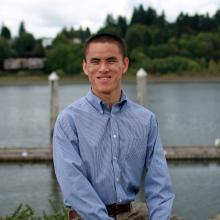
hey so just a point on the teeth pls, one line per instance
(104, 77)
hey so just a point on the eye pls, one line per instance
(111, 60)
(94, 61)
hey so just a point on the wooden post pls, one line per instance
(54, 103)
(142, 86)
(217, 142)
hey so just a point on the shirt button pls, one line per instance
(117, 179)
(114, 136)
(120, 200)
(101, 112)
(115, 158)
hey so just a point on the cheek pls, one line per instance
(119, 68)
(118, 71)
(92, 70)
(92, 74)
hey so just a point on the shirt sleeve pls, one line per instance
(157, 183)
(71, 173)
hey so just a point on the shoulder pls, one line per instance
(74, 108)
(139, 111)
(68, 115)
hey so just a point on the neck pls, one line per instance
(110, 98)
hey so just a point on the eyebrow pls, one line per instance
(94, 59)
(111, 59)
(108, 59)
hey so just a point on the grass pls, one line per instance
(25, 212)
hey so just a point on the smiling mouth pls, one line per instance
(104, 77)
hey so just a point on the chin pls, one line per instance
(105, 91)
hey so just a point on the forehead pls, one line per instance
(103, 49)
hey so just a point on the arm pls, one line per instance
(71, 173)
(157, 184)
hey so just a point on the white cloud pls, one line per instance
(46, 18)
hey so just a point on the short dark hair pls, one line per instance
(103, 38)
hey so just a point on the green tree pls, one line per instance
(5, 32)
(122, 24)
(201, 46)
(150, 17)
(140, 60)
(174, 64)
(71, 34)
(24, 45)
(84, 34)
(111, 26)
(138, 35)
(66, 33)
(21, 29)
(38, 50)
(111, 30)
(66, 57)
(208, 23)
(110, 21)
(161, 50)
(186, 24)
(61, 38)
(6, 51)
(217, 17)
(182, 25)
(161, 20)
(138, 16)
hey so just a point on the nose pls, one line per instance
(103, 67)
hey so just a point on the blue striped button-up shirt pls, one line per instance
(100, 155)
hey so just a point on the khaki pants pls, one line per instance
(138, 212)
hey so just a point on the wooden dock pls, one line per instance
(41, 154)
(14, 154)
(192, 152)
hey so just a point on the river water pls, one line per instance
(196, 187)
(188, 114)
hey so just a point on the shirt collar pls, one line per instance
(97, 103)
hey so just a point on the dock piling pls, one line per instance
(54, 102)
(141, 77)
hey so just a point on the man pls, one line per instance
(103, 143)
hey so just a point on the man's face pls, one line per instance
(104, 65)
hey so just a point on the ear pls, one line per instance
(84, 65)
(126, 64)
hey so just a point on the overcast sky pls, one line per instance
(45, 18)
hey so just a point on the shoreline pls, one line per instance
(43, 80)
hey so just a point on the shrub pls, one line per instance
(25, 212)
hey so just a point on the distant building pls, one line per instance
(23, 63)
(47, 41)
(76, 40)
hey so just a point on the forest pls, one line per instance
(189, 45)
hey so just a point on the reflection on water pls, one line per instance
(196, 187)
(28, 183)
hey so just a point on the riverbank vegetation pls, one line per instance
(188, 46)
(25, 212)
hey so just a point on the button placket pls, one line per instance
(115, 146)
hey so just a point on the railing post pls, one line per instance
(142, 86)
(54, 103)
